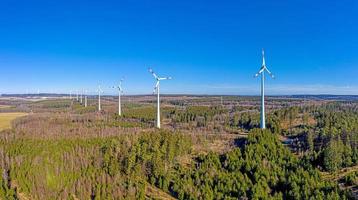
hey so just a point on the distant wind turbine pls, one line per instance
(81, 97)
(262, 72)
(156, 89)
(120, 91)
(85, 98)
(99, 97)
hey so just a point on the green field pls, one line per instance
(7, 118)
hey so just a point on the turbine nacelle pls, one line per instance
(264, 68)
(99, 89)
(158, 79)
(119, 87)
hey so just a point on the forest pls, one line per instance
(207, 149)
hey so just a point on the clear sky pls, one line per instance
(208, 47)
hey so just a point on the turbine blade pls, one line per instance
(263, 58)
(259, 72)
(268, 71)
(165, 78)
(156, 87)
(152, 72)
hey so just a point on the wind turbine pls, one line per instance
(81, 97)
(85, 98)
(120, 91)
(262, 72)
(156, 89)
(99, 97)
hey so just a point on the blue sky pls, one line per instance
(208, 47)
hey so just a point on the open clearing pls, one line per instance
(6, 118)
(339, 174)
(5, 106)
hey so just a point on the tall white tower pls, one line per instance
(157, 89)
(99, 98)
(262, 72)
(85, 98)
(120, 91)
(81, 97)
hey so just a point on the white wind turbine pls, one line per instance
(85, 98)
(99, 97)
(81, 97)
(262, 72)
(120, 91)
(156, 89)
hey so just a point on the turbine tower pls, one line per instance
(120, 91)
(99, 97)
(262, 72)
(156, 89)
(85, 98)
(81, 97)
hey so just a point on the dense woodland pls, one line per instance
(207, 149)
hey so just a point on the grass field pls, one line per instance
(6, 118)
(5, 106)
